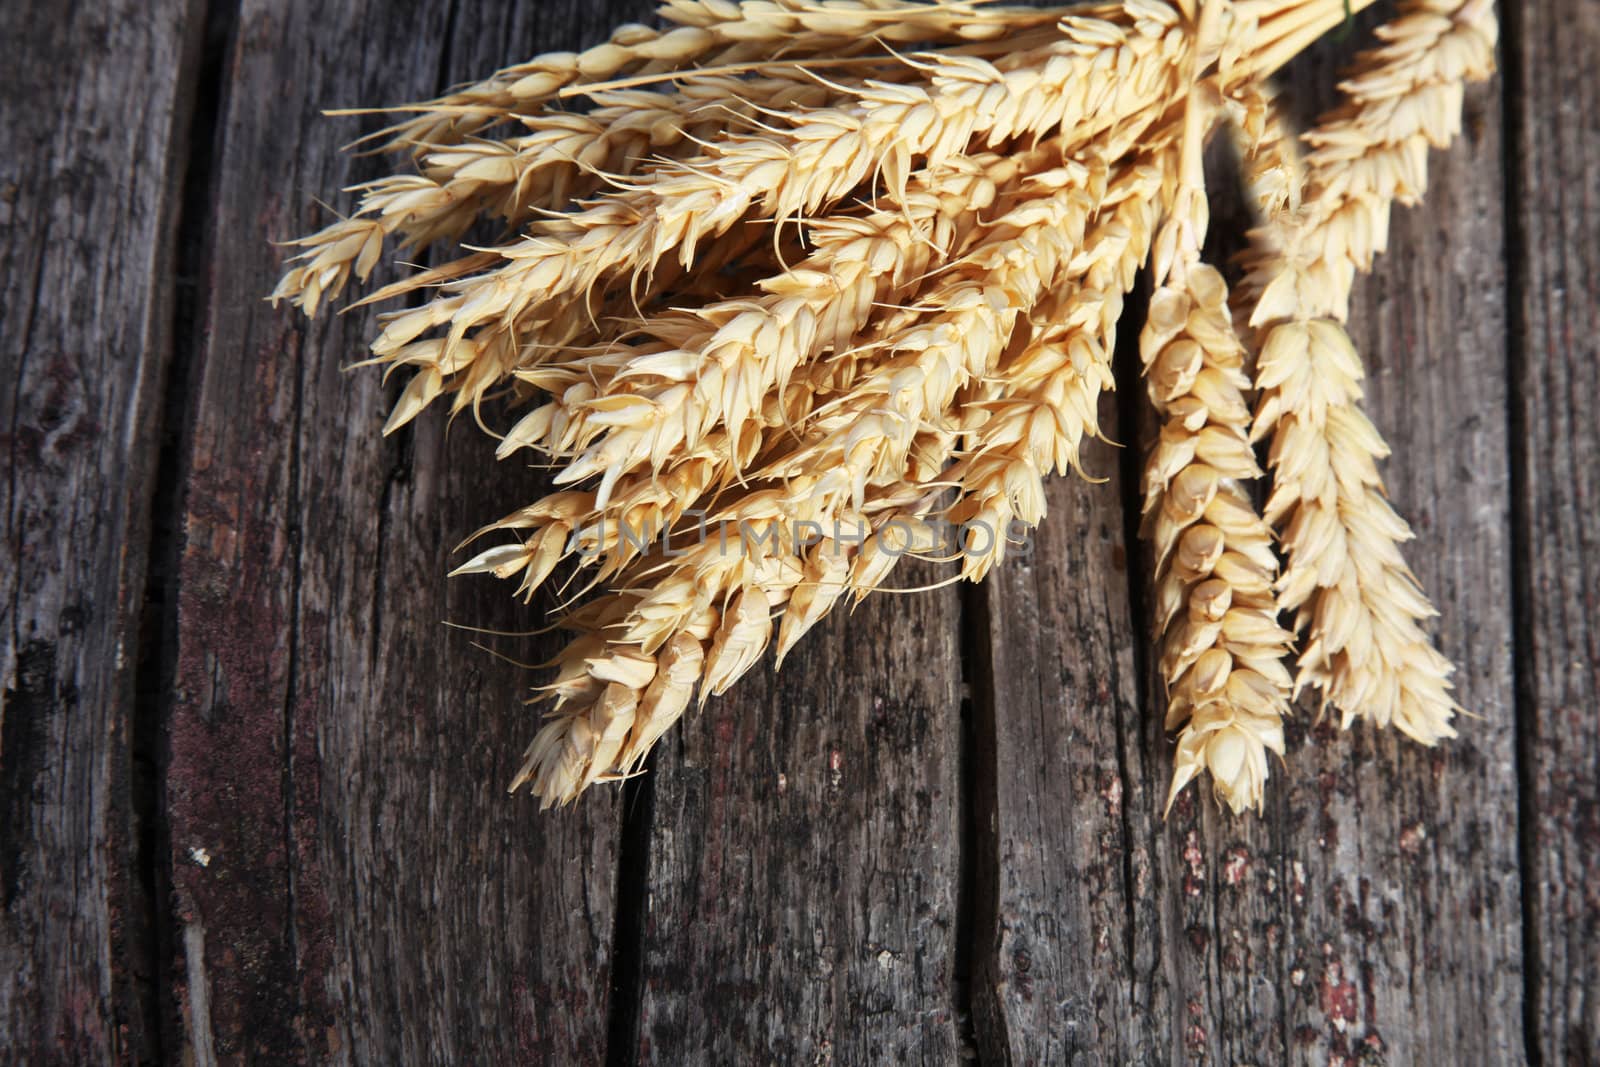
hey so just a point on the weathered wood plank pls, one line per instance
(1374, 909)
(1384, 878)
(1555, 158)
(1067, 964)
(1400, 870)
(90, 167)
(804, 852)
(803, 848)
(352, 885)
(370, 893)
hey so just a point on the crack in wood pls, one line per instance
(977, 902)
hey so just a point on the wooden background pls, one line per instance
(251, 790)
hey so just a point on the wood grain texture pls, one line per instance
(804, 852)
(1400, 929)
(370, 894)
(1374, 909)
(90, 163)
(1555, 174)
(1068, 905)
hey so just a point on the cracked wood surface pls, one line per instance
(1555, 375)
(371, 892)
(266, 821)
(804, 852)
(91, 153)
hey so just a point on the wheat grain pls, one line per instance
(1268, 147)
(1354, 597)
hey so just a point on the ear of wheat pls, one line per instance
(792, 289)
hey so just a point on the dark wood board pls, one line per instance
(1068, 908)
(1554, 207)
(1374, 908)
(1401, 936)
(91, 161)
(371, 892)
(804, 852)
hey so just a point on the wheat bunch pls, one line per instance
(796, 287)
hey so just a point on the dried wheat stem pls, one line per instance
(976, 305)
(564, 155)
(824, 156)
(1357, 601)
(705, 33)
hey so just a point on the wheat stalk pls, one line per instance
(1215, 614)
(715, 34)
(1354, 597)
(565, 155)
